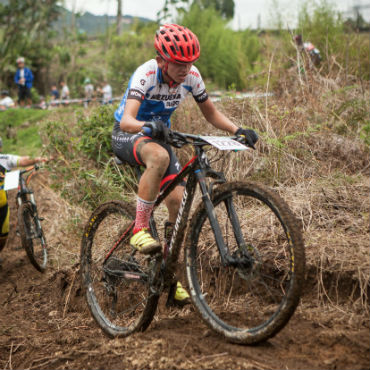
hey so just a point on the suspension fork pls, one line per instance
(234, 219)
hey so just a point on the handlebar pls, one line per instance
(179, 139)
(30, 168)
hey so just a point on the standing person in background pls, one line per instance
(106, 90)
(89, 91)
(8, 162)
(64, 94)
(23, 78)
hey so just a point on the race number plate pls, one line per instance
(11, 180)
(224, 143)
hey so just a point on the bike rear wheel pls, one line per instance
(253, 299)
(32, 236)
(118, 280)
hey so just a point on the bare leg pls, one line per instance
(156, 160)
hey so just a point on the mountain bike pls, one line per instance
(29, 222)
(244, 255)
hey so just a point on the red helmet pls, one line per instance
(177, 44)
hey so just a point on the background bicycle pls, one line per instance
(244, 255)
(29, 222)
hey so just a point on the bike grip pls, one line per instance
(146, 131)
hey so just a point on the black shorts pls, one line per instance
(23, 93)
(127, 148)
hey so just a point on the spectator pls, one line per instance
(89, 91)
(6, 101)
(42, 104)
(23, 78)
(65, 91)
(309, 48)
(106, 91)
(64, 94)
(54, 92)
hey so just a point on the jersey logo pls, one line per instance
(194, 74)
(149, 73)
(135, 94)
(166, 97)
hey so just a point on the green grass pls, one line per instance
(25, 122)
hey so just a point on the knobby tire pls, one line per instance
(32, 236)
(247, 304)
(119, 304)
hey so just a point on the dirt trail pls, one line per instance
(45, 324)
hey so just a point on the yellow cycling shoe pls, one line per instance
(179, 297)
(144, 242)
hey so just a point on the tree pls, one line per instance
(224, 7)
(26, 32)
(119, 17)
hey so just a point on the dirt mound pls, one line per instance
(45, 323)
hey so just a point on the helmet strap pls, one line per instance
(171, 83)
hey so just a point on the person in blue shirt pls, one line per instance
(154, 92)
(23, 78)
(54, 92)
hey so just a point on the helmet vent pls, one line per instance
(164, 51)
(167, 38)
(182, 51)
(176, 37)
(185, 38)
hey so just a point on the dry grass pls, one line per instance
(311, 152)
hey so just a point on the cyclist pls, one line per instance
(309, 48)
(7, 162)
(154, 92)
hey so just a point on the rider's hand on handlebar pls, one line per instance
(156, 130)
(251, 136)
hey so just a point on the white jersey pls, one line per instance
(158, 99)
(8, 161)
(107, 93)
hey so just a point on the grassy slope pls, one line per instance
(25, 126)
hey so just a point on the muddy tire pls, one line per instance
(117, 280)
(253, 301)
(32, 237)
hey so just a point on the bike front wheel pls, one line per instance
(251, 297)
(118, 280)
(32, 236)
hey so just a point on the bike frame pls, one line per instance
(23, 190)
(196, 170)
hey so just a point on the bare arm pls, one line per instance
(27, 161)
(215, 117)
(129, 123)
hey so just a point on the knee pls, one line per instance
(159, 160)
